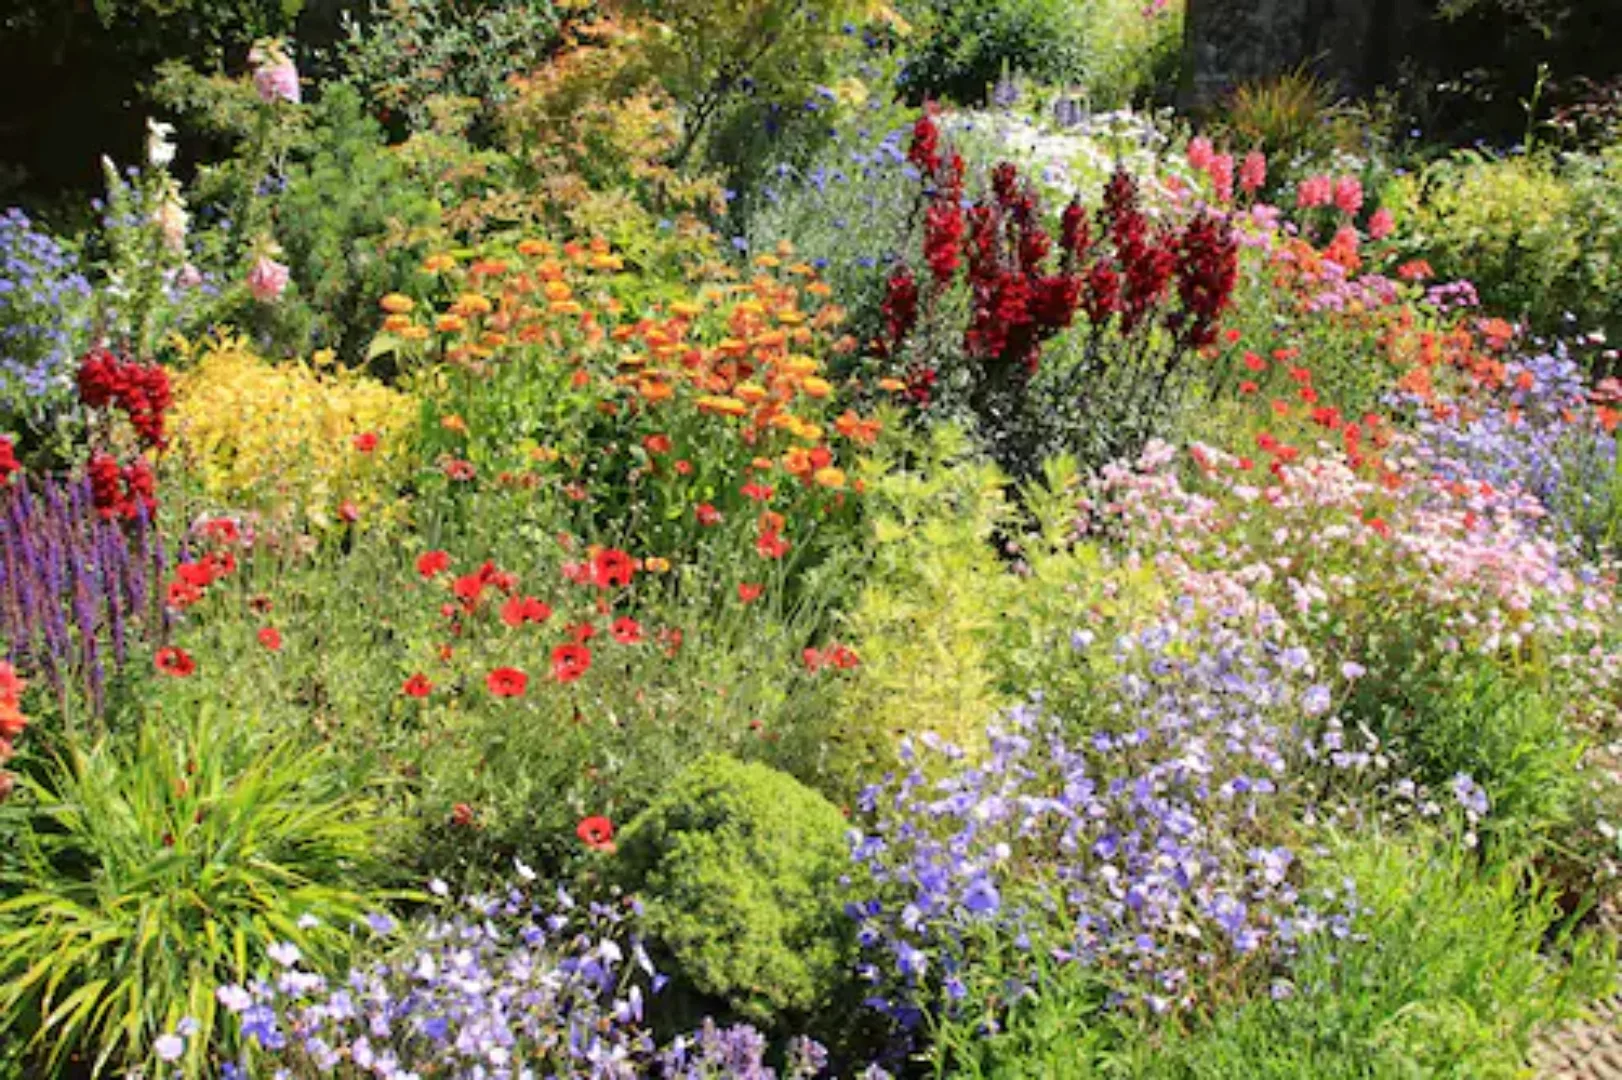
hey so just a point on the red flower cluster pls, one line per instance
(124, 492)
(841, 657)
(141, 391)
(8, 460)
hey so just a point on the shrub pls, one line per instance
(1113, 51)
(737, 867)
(402, 54)
(1537, 235)
(289, 438)
(148, 874)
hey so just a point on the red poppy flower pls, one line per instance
(707, 515)
(417, 686)
(626, 631)
(519, 610)
(507, 682)
(366, 442)
(813, 660)
(684, 467)
(173, 661)
(657, 444)
(348, 511)
(199, 575)
(433, 562)
(612, 567)
(843, 657)
(758, 492)
(270, 638)
(182, 595)
(771, 546)
(468, 588)
(749, 593)
(462, 814)
(597, 833)
(569, 662)
(222, 529)
(460, 470)
(582, 632)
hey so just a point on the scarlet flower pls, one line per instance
(418, 686)
(507, 682)
(626, 630)
(611, 567)
(519, 610)
(569, 662)
(770, 545)
(433, 562)
(684, 467)
(173, 661)
(582, 632)
(758, 492)
(457, 469)
(462, 814)
(748, 592)
(366, 442)
(596, 833)
(657, 444)
(348, 511)
(8, 460)
(707, 514)
(270, 638)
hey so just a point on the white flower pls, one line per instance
(160, 151)
(169, 1047)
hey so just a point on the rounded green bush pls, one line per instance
(737, 866)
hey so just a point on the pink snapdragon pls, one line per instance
(1381, 224)
(1253, 172)
(1314, 191)
(1348, 195)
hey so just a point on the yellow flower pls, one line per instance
(470, 304)
(395, 324)
(534, 248)
(449, 323)
(605, 261)
(433, 264)
(829, 477)
(655, 564)
(768, 262)
(721, 405)
(415, 333)
(894, 386)
(398, 304)
(565, 307)
(557, 291)
(685, 309)
(816, 387)
(753, 393)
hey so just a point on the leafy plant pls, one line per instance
(736, 866)
(150, 873)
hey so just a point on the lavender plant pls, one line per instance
(505, 985)
(77, 589)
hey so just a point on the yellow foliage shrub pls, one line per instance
(289, 438)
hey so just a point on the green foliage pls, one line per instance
(1468, 715)
(1538, 235)
(1452, 980)
(737, 866)
(1112, 50)
(148, 874)
(405, 53)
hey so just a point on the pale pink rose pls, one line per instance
(1348, 194)
(1382, 224)
(1253, 172)
(267, 280)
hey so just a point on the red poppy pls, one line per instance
(222, 529)
(657, 444)
(626, 631)
(460, 470)
(707, 515)
(199, 575)
(612, 567)
(366, 442)
(348, 511)
(569, 662)
(758, 492)
(433, 562)
(182, 595)
(582, 632)
(418, 686)
(597, 833)
(749, 593)
(519, 610)
(684, 467)
(468, 588)
(771, 546)
(843, 657)
(173, 661)
(462, 814)
(813, 660)
(507, 682)
(270, 638)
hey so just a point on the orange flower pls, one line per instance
(433, 264)
(396, 324)
(829, 477)
(449, 324)
(397, 304)
(748, 592)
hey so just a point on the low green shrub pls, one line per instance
(737, 866)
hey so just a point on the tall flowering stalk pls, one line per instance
(77, 587)
(1151, 294)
